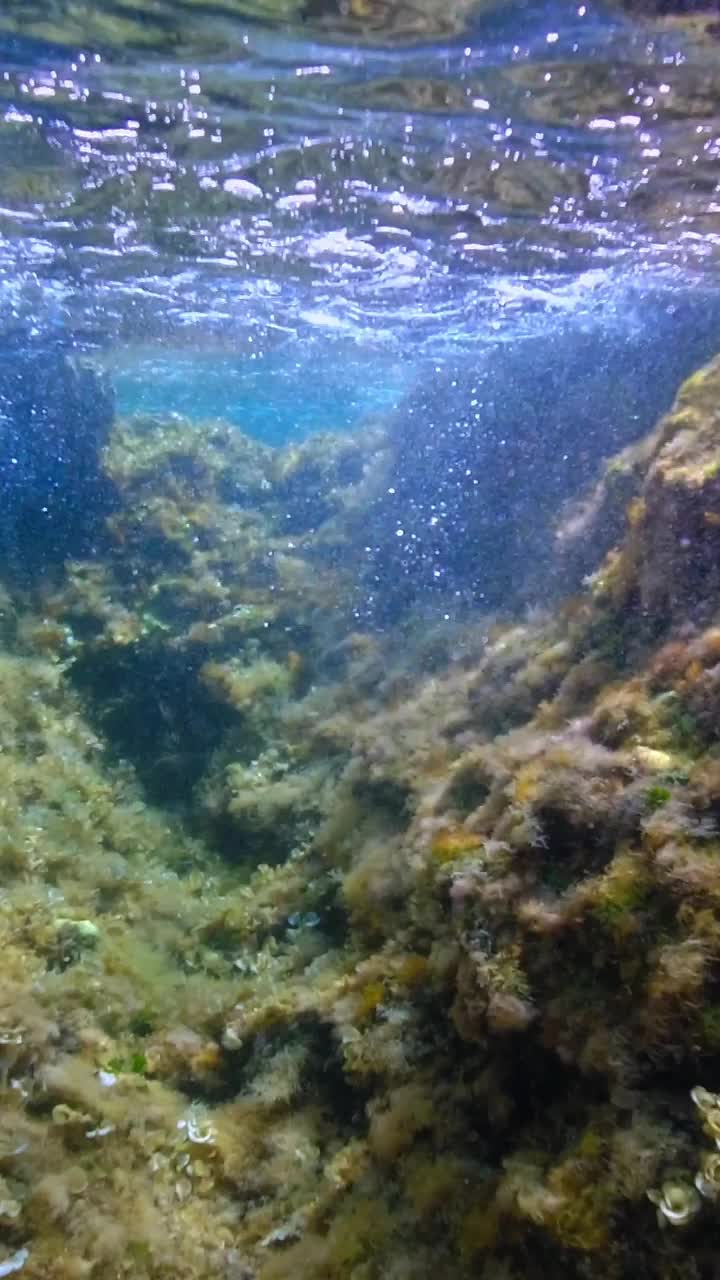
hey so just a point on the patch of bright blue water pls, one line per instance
(275, 397)
(285, 227)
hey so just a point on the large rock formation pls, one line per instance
(469, 1022)
(56, 411)
(486, 455)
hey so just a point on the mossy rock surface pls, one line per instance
(420, 977)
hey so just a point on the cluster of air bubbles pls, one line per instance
(418, 195)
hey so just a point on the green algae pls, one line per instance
(415, 948)
(656, 796)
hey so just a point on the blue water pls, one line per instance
(287, 222)
(277, 396)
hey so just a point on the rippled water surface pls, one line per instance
(281, 211)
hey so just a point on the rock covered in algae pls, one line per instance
(481, 460)
(455, 1028)
(229, 571)
(668, 567)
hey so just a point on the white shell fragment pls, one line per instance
(14, 1263)
(677, 1203)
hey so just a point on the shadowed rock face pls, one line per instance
(486, 457)
(56, 411)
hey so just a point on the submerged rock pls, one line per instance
(56, 411)
(483, 459)
(478, 987)
(669, 566)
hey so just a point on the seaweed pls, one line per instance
(412, 967)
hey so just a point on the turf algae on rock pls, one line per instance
(416, 972)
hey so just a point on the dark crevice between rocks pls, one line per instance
(325, 1081)
(154, 711)
(469, 790)
(388, 796)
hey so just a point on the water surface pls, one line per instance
(253, 182)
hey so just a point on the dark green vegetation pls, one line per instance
(354, 955)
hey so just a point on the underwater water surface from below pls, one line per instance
(359, 640)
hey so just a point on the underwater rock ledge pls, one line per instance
(468, 1021)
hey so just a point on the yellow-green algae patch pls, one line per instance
(412, 969)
